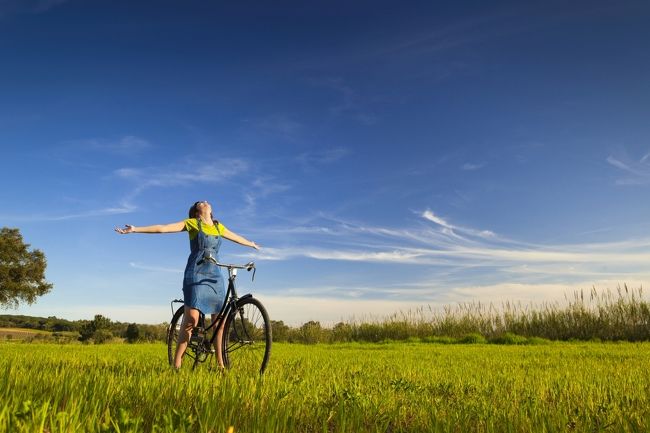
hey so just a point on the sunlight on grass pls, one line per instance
(361, 387)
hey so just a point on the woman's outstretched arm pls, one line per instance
(159, 228)
(239, 239)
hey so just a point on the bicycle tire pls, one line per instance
(247, 337)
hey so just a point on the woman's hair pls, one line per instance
(192, 212)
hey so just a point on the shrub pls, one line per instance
(132, 333)
(473, 338)
(510, 338)
(439, 340)
(102, 336)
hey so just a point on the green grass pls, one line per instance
(611, 315)
(356, 387)
(23, 331)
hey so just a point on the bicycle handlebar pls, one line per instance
(248, 266)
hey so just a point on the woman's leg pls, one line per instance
(190, 320)
(218, 341)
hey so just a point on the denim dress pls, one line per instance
(203, 284)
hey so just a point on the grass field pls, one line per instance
(21, 332)
(396, 387)
(14, 334)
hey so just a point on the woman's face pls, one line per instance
(203, 207)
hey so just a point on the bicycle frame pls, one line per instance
(231, 298)
(242, 323)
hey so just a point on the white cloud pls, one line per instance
(299, 305)
(461, 258)
(427, 214)
(537, 293)
(208, 172)
(326, 156)
(296, 310)
(124, 146)
(468, 166)
(128, 173)
(477, 256)
(453, 230)
(636, 172)
(349, 103)
(395, 256)
(205, 172)
(145, 267)
(282, 126)
(122, 209)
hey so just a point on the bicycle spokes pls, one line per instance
(247, 337)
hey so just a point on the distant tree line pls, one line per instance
(621, 315)
(98, 330)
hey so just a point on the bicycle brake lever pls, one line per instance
(253, 278)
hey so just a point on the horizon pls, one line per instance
(386, 157)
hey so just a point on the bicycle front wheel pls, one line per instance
(247, 337)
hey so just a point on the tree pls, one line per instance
(280, 330)
(102, 336)
(98, 329)
(86, 331)
(132, 333)
(311, 332)
(22, 272)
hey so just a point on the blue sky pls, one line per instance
(386, 155)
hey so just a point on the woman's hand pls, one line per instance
(254, 245)
(127, 229)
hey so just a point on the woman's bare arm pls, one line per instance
(158, 228)
(239, 239)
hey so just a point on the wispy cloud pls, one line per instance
(208, 172)
(395, 256)
(637, 172)
(428, 215)
(262, 187)
(122, 209)
(145, 267)
(487, 256)
(461, 256)
(204, 172)
(349, 102)
(331, 304)
(278, 125)
(310, 161)
(298, 309)
(12, 7)
(452, 229)
(445, 38)
(468, 166)
(124, 145)
(93, 153)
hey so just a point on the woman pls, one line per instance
(203, 284)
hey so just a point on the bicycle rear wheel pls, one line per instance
(247, 337)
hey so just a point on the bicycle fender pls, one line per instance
(246, 296)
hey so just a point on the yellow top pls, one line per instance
(192, 227)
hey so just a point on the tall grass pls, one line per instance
(399, 387)
(609, 315)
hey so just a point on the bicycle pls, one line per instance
(246, 341)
